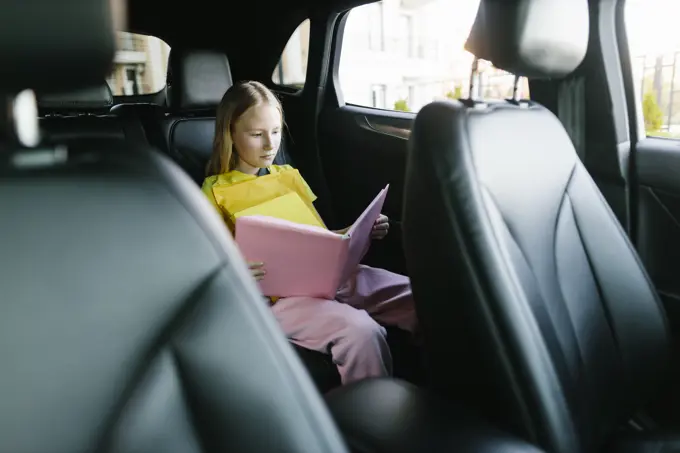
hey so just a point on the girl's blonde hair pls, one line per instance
(239, 98)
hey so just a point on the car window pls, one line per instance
(140, 65)
(403, 54)
(654, 41)
(291, 69)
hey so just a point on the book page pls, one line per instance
(360, 233)
(299, 260)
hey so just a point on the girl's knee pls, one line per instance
(362, 329)
(362, 350)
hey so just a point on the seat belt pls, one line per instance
(571, 110)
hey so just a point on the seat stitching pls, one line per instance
(160, 341)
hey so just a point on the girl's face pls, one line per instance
(257, 137)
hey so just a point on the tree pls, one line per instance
(457, 93)
(652, 113)
(401, 105)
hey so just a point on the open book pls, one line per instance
(305, 260)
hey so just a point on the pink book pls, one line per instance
(305, 260)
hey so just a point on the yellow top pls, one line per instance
(283, 190)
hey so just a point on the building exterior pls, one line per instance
(657, 75)
(401, 54)
(292, 68)
(140, 65)
(394, 55)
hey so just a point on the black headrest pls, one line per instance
(93, 98)
(531, 38)
(55, 45)
(199, 78)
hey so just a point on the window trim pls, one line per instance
(292, 88)
(335, 95)
(120, 68)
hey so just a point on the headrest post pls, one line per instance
(474, 80)
(515, 89)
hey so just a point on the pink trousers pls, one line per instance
(348, 326)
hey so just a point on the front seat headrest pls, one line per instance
(199, 78)
(97, 97)
(531, 38)
(35, 48)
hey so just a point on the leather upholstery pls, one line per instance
(385, 415)
(641, 443)
(199, 78)
(62, 129)
(531, 38)
(559, 330)
(82, 41)
(96, 97)
(130, 321)
(185, 130)
(83, 115)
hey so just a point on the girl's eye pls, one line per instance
(276, 132)
(256, 134)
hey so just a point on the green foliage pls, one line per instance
(652, 113)
(401, 105)
(457, 93)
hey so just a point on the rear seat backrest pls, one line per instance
(84, 114)
(185, 130)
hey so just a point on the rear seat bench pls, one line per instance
(184, 131)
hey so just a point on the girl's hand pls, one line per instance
(257, 270)
(380, 227)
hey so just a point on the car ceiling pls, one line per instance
(252, 33)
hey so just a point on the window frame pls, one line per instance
(292, 88)
(125, 42)
(635, 91)
(336, 59)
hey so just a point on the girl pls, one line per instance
(247, 139)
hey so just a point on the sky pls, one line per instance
(653, 25)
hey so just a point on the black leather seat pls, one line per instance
(129, 321)
(186, 127)
(557, 329)
(84, 115)
(393, 416)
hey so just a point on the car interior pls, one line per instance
(539, 232)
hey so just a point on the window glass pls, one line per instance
(291, 69)
(140, 65)
(654, 41)
(403, 54)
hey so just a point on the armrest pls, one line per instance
(393, 416)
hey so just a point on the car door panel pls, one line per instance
(658, 232)
(362, 150)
